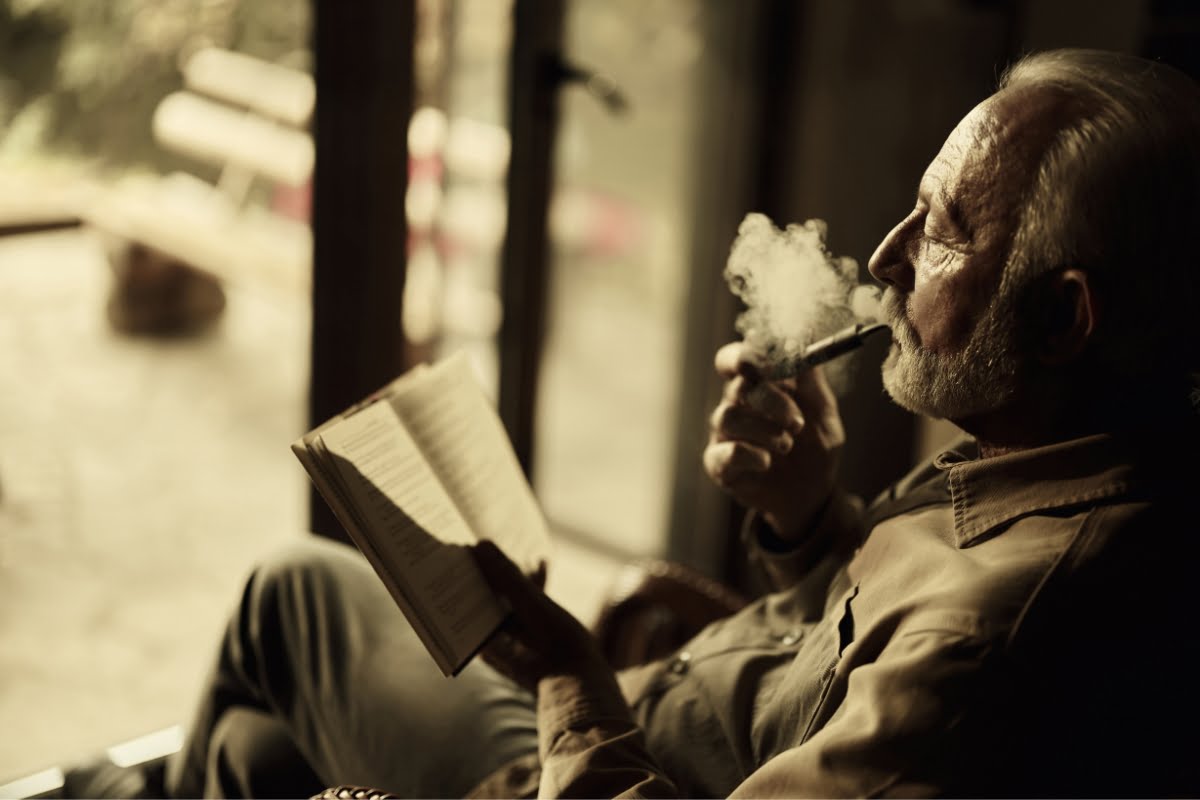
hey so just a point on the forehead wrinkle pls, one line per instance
(983, 168)
(1022, 123)
(1014, 129)
(981, 193)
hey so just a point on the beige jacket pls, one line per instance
(1023, 624)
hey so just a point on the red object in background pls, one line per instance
(293, 202)
(428, 168)
(604, 225)
(614, 228)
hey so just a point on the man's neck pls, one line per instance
(996, 440)
(1023, 427)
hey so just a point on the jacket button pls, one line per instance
(681, 662)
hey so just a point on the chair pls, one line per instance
(249, 119)
(656, 606)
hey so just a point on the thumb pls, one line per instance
(496, 567)
(507, 581)
(493, 561)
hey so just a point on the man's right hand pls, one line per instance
(774, 445)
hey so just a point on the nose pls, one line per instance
(891, 262)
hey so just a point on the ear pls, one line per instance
(1072, 314)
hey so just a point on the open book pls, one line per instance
(416, 473)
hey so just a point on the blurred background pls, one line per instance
(223, 221)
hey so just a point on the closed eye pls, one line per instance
(938, 228)
(950, 216)
(941, 228)
(941, 215)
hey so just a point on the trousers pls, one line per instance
(319, 680)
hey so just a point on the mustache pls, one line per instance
(893, 305)
(895, 312)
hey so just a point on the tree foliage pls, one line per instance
(82, 78)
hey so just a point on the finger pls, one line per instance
(500, 647)
(735, 388)
(504, 646)
(505, 654)
(529, 603)
(811, 389)
(500, 572)
(768, 400)
(727, 462)
(737, 358)
(732, 422)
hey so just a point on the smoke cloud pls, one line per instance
(794, 290)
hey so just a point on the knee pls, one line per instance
(293, 583)
(311, 561)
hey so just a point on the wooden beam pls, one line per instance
(534, 80)
(364, 79)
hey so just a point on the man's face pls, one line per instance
(953, 352)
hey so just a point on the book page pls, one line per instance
(409, 520)
(462, 438)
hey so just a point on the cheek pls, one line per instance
(940, 311)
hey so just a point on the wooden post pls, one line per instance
(364, 78)
(534, 80)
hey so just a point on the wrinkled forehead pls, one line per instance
(991, 157)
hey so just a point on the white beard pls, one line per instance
(980, 377)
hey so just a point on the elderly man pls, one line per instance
(1014, 618)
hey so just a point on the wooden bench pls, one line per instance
(248, 118)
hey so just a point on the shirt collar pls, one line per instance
(989, 493)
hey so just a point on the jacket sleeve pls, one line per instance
(589, 744)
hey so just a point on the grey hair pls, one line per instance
(1117, 193)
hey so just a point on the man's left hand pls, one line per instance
(540, 639)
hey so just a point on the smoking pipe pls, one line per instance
(823, 350)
